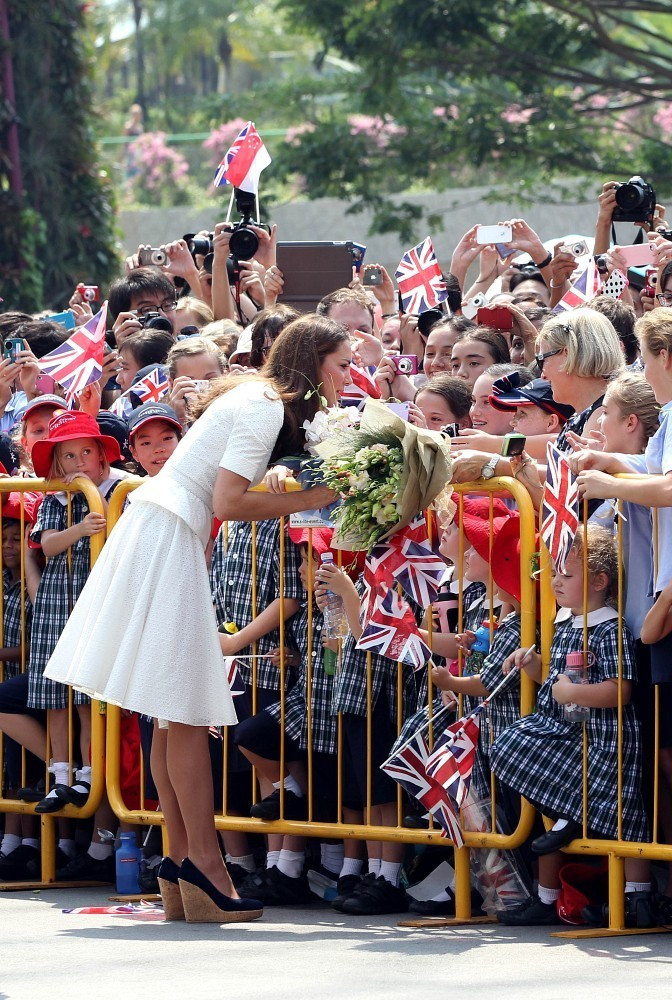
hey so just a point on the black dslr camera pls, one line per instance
(243, 244)
(155, 321)
(635, 201)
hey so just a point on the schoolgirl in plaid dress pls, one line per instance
(74, 447)
(541, 755)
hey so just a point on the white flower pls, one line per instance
(360, 481)
(383, 449)
(317, 429)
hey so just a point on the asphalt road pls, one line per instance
(306, 954)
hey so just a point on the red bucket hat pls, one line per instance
(11, 506)
(351, 562)
(477, 532)
(506, 556)
(70, 426)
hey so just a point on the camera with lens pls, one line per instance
(451, 430)
(429, 318)
(155, 321)
(665, 233)
(635, 201)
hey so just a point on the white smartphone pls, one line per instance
(638, 254)
(493, 234)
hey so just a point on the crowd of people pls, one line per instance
(193, 571)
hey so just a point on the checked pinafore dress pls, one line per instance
(541, 755)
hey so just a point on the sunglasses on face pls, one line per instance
(540, 358)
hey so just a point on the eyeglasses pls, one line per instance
(266, 348)
(167, 306)
(540, 358)
(664, 298)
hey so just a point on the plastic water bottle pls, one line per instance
(128, 865)
(575, 669)
(481, 643)
(335, 621)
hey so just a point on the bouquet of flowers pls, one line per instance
(386, 471)
(325, 423)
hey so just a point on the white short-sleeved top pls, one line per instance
(237, 432)
(659, 461)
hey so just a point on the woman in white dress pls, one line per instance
(143, 633)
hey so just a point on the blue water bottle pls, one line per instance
(128, 865)
(479, 649)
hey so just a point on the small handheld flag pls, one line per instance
(421, 285)
(243, 161)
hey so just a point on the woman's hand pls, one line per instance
(384, 292)
(366, 349)
(580, 461)
(470, 439)
(562, 690)
(181, 391)
(595, 440)
(251, 283)
(385, 375)
(464, 254)
(615, 260)
(468, 465)
(29, 370)
(318, 497)
(523, 237)
(82, 312)
(273, 285)
(594, 485)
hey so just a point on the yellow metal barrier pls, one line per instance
(366, 830)
(97, 752)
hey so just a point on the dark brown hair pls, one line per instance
(268, 324)
(494, 341)
(293, 370)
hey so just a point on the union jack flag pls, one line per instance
(243, 161)
(392, 631)
(408, 768)
(452, 759)
(585, 288)
(362, 388)
(122, 407)
(152, 387)
(79, 361)
(560, 507)
(419, 279)
(233, 676)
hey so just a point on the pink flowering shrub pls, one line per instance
(157, 174)
(294, 133)
(221, 138)
(376, 129)
(663, 119)
(517, 115)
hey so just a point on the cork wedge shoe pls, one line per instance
(204, 903)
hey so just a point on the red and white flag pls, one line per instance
(243, 161)
(79, 361)
(419, 278)
(362, 387)
(560, 507)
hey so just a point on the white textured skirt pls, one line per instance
(143, 634)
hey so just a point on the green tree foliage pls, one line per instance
(61, 230)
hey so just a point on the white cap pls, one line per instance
(244, 345)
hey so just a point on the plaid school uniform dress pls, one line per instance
(323, 722)
(504, 709)
(12, 621)
(351, 680)
(541, 755)
(61, 584)
(231, 581)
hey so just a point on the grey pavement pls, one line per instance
(306, 953)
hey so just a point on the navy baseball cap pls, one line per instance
(153, 411)
(508, 395)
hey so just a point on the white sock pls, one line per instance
(68, 847)
(559, 824)
(99, 852)
(351, 866)
(10, 842)
(637, 887)
(61, 772)
(389, 870)
(547, 895)
(272, 859)
(331, 857)
(246, 861)
(374, 866)
(290, 785)
(30, 842)
(83, 774)
(291, 863)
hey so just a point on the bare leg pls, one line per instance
(84, 713)
(386, 815)
(189, 771)
(353, 848)
(177, 834)
(26, 731)
(58, 732)
(549, 869)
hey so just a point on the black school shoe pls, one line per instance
(34, 866)
(640, 911)
(446, 908)
(376, 896)
(84, 868)
(269, 808)
(345, 887)
(278, 889)
(531, 913)
(14, 866)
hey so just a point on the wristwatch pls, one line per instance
(488, 470)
